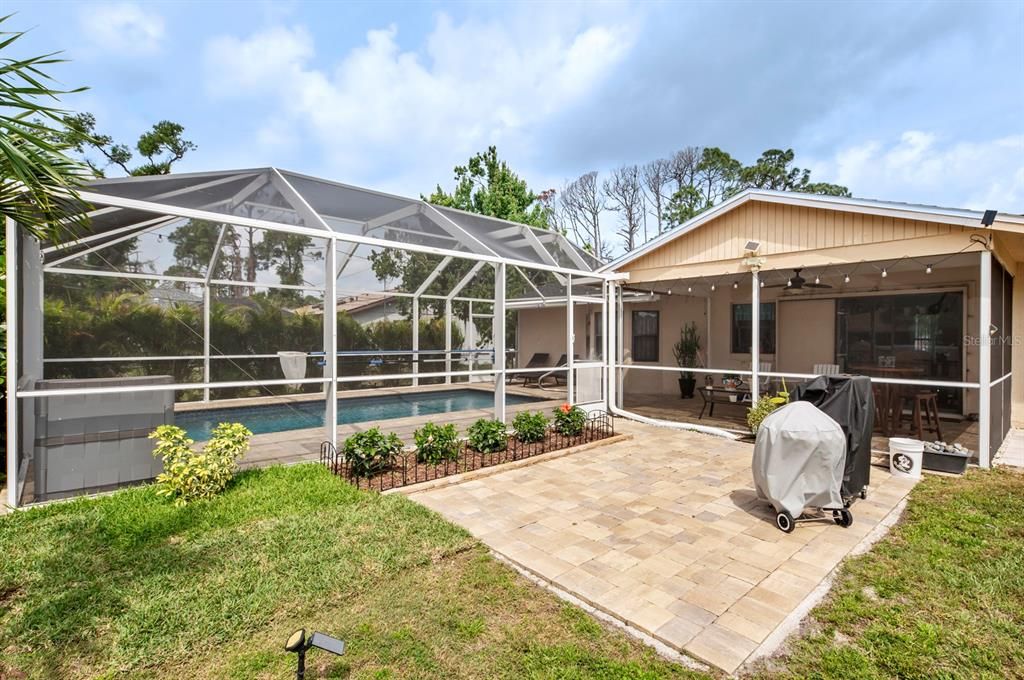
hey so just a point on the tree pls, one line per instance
(683, 166)
(580, 209)
(486, 185)
(656, 176)
(39, 182)
(162, 146)
(712, 179)
(773, 171)
(626, 197)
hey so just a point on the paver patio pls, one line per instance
(663, 532)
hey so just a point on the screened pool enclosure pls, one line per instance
(245, 289)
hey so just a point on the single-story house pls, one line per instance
(907, 294)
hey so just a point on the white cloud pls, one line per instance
(122, 28)
(921, 167)
(381, 110)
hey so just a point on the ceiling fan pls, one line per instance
(796, 282)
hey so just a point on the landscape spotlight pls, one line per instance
(298, 643)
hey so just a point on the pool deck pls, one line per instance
(295, 446)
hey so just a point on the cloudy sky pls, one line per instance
(915, 102)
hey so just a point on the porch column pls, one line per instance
(606, 359)
(498, 334)
(471, 340)
(569, 342)
(206, 340)
(985, 359)
(331, 344)
(415, 340)
(448, 341)
(619, 348)
(11, 234)
(755, 334)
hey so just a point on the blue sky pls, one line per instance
(915, 102)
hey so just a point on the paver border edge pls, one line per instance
(660, 647)
(791, 623)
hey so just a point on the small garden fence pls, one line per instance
(408, 470)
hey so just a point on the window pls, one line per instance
(741, 328)
(645, 336)
(598, 336)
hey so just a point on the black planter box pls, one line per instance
(955, 463)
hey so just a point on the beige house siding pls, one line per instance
(782, 229)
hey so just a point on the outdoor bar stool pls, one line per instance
(926, 403)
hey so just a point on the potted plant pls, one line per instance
(685, 351)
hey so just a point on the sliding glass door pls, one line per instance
(914, 336)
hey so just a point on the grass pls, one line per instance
(129, 586)
(941, 597)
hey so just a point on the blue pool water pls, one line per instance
(300, 415)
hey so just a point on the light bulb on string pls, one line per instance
(689, 289)
(884, 273)
(735, 285)
(789, 283)
(712, 288)
(928, 269)
(817, 280)
(846, 279)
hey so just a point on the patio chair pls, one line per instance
(826, 369)
(538, 361)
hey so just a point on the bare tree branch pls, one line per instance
(625, 196)
(579, 209)
(656, 176)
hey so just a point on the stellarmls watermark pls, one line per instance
(994, 340)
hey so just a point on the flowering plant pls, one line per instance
(570, 420)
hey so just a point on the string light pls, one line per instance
(762, 284)
(689, 289)
(846, 279)
(789, 283)
(928, 269)
(735, 285)
(817, 280)
(884, 273)
(712, 288)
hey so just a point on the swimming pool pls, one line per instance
(305, 414)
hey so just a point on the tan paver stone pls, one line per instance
(722, 647)
(677, 632)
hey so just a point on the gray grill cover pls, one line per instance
(799, 459)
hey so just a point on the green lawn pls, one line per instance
(941, 597)
(128, 585)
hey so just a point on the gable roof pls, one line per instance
(954, 216)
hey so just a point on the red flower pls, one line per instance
(566, 408)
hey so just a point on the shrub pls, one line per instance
(764, 407)
(530, 427)
(371, 451)
(488, 436)
(436, 443)
(570, 420)
(190, 475)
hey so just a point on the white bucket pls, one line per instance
(905, 457)
(293, 365)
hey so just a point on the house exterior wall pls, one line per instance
(542, 329)
(783, 229)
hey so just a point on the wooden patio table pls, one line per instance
(888, 394)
